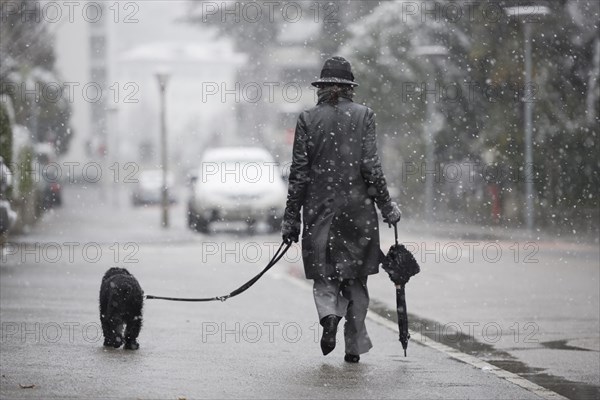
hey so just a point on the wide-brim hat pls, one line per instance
(336, 70)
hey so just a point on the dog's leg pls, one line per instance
(109, 338)
(115, 326)
(134, 325)
(107, 331)
(118, 326)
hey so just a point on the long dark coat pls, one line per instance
(336, 177)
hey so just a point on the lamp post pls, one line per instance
(428, 129)
(524, 13)
(163, 78)
(112, 138)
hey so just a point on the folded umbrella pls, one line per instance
(400, 265)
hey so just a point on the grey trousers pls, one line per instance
(346, 298)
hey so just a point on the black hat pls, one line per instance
(336, 70)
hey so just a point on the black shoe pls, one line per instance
(329, 324)
(351, 358)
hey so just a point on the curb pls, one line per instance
(471, 360)
(452, 353)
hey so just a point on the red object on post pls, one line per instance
(494, 192)
(289, 135)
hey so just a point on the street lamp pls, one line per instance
(112, 138)
(429, 131)
(524, 13)
(163, 78)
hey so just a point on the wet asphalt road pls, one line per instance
(263, 344)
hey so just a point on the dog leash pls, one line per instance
(276, 257)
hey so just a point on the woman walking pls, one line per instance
(335, 179)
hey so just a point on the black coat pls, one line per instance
(336, 177)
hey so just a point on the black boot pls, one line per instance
(329, 324)
(351, 358)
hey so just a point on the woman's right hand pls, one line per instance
(391, 213)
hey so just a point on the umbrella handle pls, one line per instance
(396, 233)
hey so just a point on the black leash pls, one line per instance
(276, 257)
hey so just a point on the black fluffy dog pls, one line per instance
(121, 302)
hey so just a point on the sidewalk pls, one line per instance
(263, 344)
(497, 232)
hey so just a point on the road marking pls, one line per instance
(449, 351)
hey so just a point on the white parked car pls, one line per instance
(236, 184)
(148, 188)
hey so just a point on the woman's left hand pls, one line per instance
(290, 231)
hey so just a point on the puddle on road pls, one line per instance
(499, 358)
